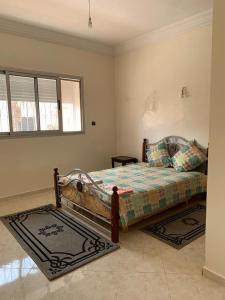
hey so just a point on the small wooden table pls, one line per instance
(123, 160)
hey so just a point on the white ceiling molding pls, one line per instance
(47, 35)
(201, 19)
(51, 36)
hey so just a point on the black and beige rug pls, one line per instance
(180, 229)
(55, 240)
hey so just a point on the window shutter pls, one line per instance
(3, 88)
(22, 88)
(47, 90)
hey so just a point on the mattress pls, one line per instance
(152, 189)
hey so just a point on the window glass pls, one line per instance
(31, 103)
(48, 104)
(4, 115)
(23, 103)
(71, 109)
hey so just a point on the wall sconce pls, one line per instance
(184, 92)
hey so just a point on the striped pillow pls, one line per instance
(158, 155)
(188, 158)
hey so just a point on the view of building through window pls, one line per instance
(23, 105)
(48, 104)
(4, 116)
(70, 91)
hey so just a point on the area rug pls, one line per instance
(57, 241)
(181, 228)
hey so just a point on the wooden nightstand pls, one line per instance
(123, 160)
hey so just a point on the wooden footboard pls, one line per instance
(114, 208)
(57, 188)
(115, 216)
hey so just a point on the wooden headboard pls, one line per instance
(174, 143)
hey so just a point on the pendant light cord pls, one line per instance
(89, 19)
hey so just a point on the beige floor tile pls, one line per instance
(140, 286)
(75, 285)
(22, 261)
(10, 253)
(28, 201)
(187, 261)
(128, 260)
(198, 243)
(26, 284)
(143, 268)
(187, 287)
(137, 239)
(182, 287)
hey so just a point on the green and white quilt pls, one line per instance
(153, 188)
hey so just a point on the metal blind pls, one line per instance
(47, 90)
(3, 88)
(22, 88)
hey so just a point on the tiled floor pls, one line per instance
(144, 268)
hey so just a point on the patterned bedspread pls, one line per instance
(153, 188)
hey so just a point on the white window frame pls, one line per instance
(58, 77)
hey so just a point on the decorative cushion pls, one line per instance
(188, 158)
(158, 155)
(172, 149)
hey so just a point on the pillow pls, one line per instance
(158, 155)
(188, 158)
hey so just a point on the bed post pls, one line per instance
(145, 141)
(57, 189)
(115, 216)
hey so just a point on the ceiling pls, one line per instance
(114, 21)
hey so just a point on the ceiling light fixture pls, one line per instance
(89, 19)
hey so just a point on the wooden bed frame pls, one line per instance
(114, 206)
(174, 143)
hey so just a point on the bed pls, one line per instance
(125, 195)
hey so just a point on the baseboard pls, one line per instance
(213, 275)
(26, 193)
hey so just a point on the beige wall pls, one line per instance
(26, 164)
(157, 72)
(215, 236)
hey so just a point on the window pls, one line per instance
(23, 107)
(32, 104)
(70, 92)
(48, 104)
(4, 115)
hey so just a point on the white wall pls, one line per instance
(26, 163)
(159, 71)
(215, 236)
